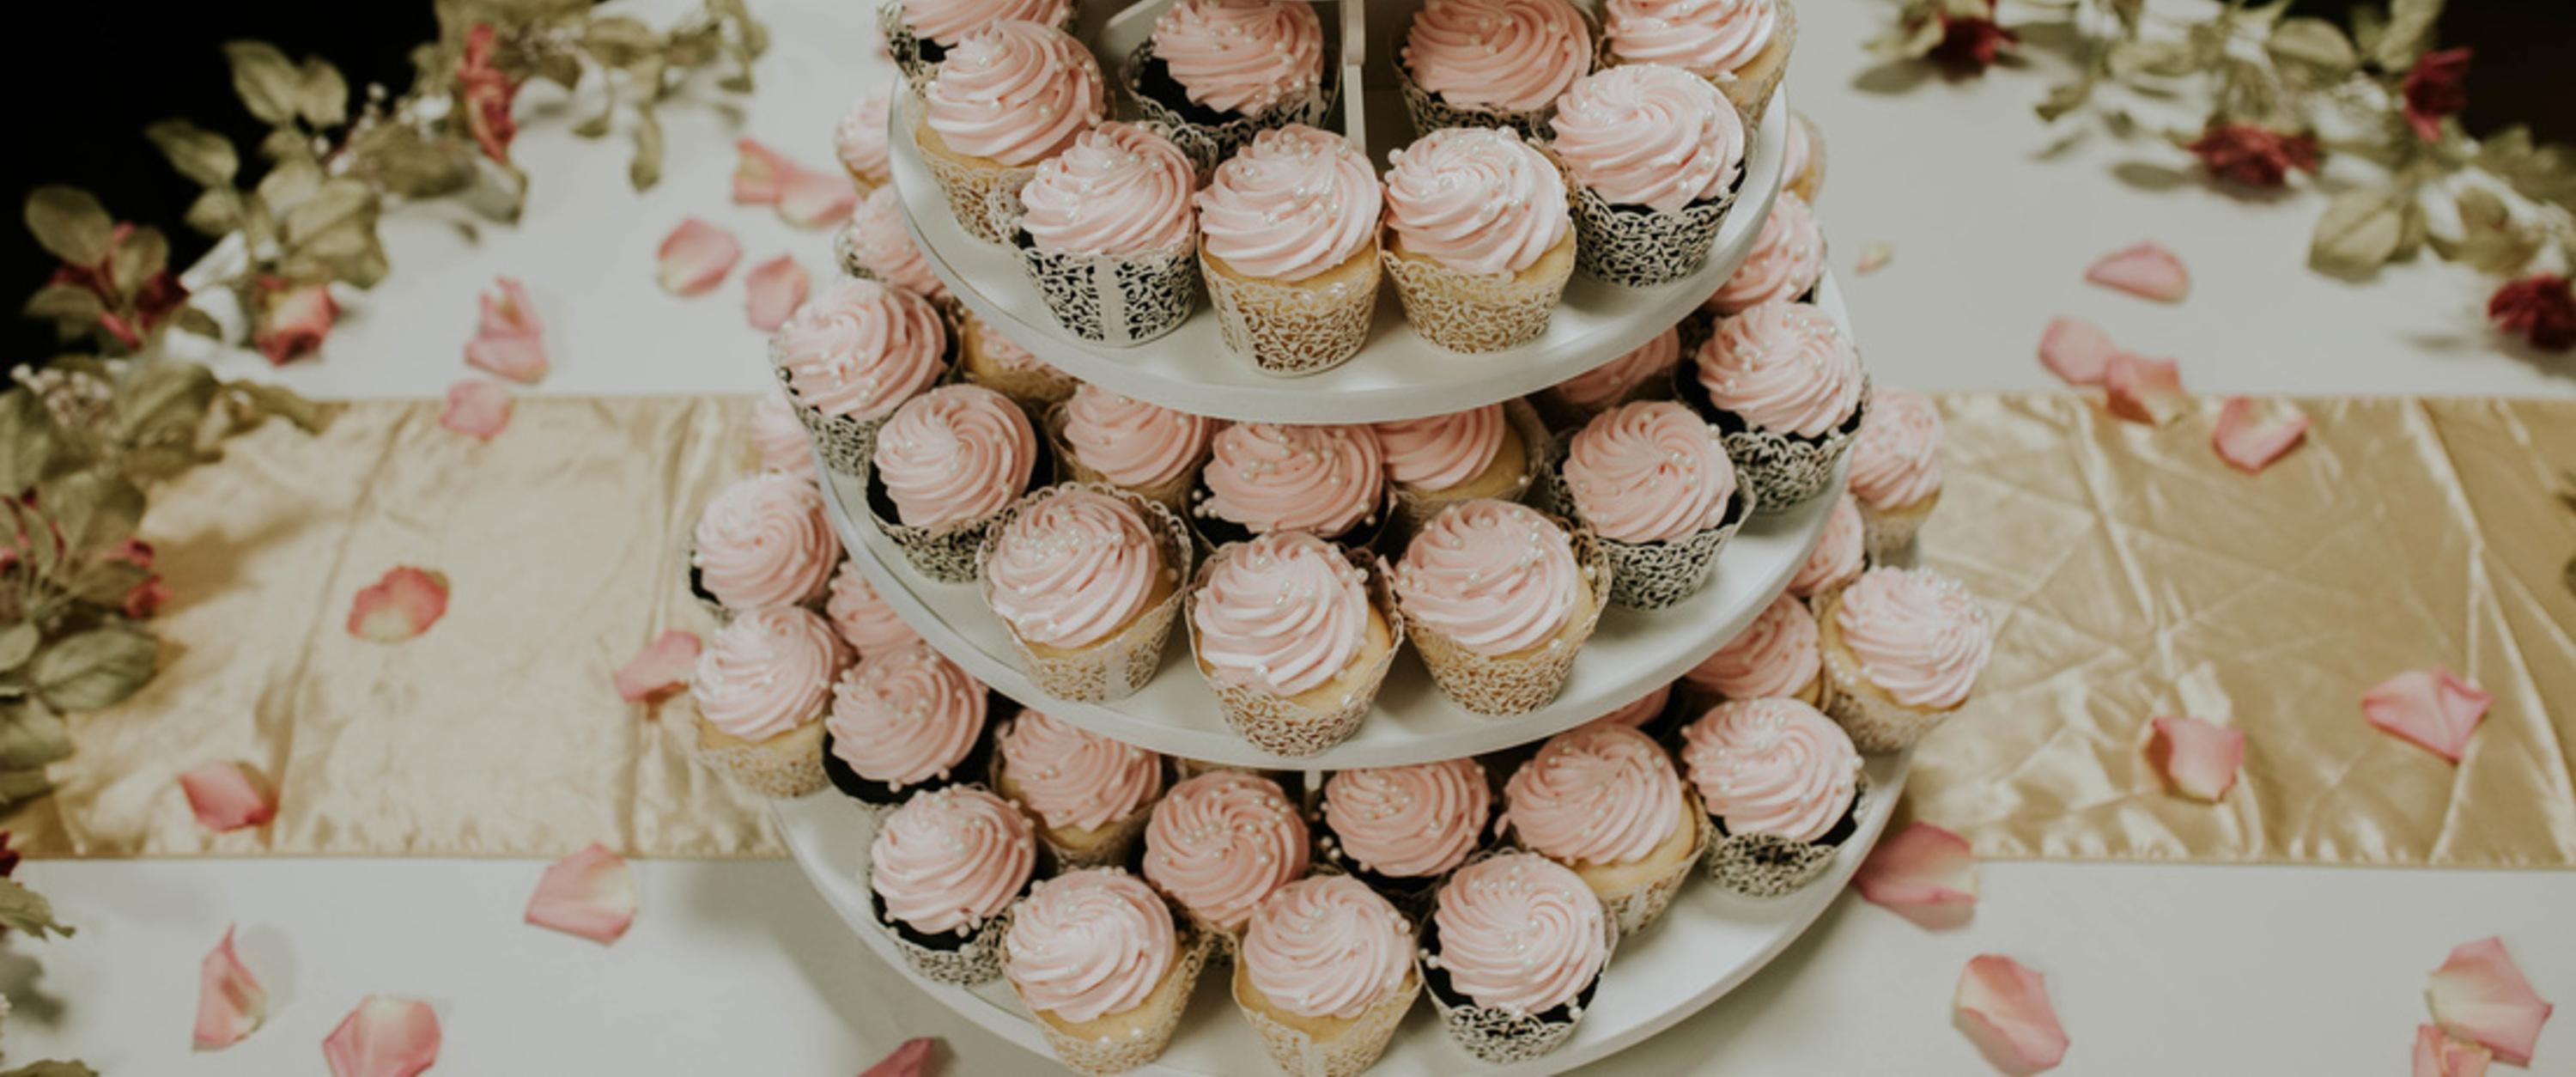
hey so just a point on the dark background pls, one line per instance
(78, 113)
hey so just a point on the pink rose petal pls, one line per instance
(590, 893)
(2076, 351)
(2144, 390)
(2199, 758)
(916, 1058)
(2146, 269)
(757, 170)
(662, 666)
(2252, 434)
(2434, 708)
(1922, 865)
(509, 341)
(2003, 1006)
(230, 1001)
(2438, 1055)
(774, 289)
(383, 1037)
(476, 408)
(1873, 257)
(2479, 995)
(403, 604)
(811, 199)
(228, 795)
(695, 257)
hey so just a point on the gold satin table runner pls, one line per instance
(2129, 572)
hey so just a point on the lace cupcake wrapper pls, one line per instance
(772, 768)
(1120, 301)
(1116, 667)
(1355, 1050)
(904, 47)
(1635, 247)
(1500, 686)
(1172, 493)
(1280, 725)
(1876, 725)
(1473, 313)
(1768, 865)
(1414, 509)
(1639, 906)
(1287, 329)
(847, 446)
(1206, 145)
(978, 961)
(1430, 113)
(1783, 470)
(946, 554)
(1500, 1036)
(1653, 575)
(1147, 1041)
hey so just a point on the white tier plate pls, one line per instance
(1706, 944)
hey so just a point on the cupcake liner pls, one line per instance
(951, 553)
(784, 766)
(847, 445)
(1282, 726)
(1414, 509)
(1206, 145)
(1887, 533)
(879, 799)
(979, 960)
(1499, 1036)
(1212, 531)
(1355, 1050)
(1768, 865)
(1472, 312)
(1637, 907)
(1752, 95)
(1498, 686)
(1116, 667)
(1106, 1056)
(1430, 113)
(1287, 329)
(1783, 470)
(1876, 724)
(1172, 493)
(976, 192)
(1654, 575)
(1118, 300)
(1636, 247)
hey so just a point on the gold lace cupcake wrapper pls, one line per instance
(1116, 667)
(1472, 313)
(1100, 1057)
(1768, 865)
(1414, 509)
(1517, 684)
(1282, 726)
(1875, 725)
(767, 767)
(1207, 145)
(1355, 1050)
(1287, 329)
(978, 961)
(977, 192)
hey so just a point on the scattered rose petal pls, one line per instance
(2146, 269)
(757, 170)
(403, 604)
(811, 199)
(2434, 708)
(2003, 1006)
(383, 1037)
(590, 893)
(476, 408)
(1921, 865)
(2252, 434)
(1873, 257)
(2479, 995)
(509, 341)
(663, 665)
(2144, 390)
(2076, 351)
(775, 289)
(696, 256)
(228, 795)
(2199, 758)
(2438, 1055)
(913, 1059)
(230, 1001)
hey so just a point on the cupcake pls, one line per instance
(1803, 168)
(763, 541)
(1655, 156)
(851, 355)
(1774, 657)
(1512, 955)
(1785, 388)
(1089, 794)
(1654, 484)
(1268, 477)
(1604, 802)
(1640, 713)
(1216, 73)
(996, 362)
(860, 140)
(1739, 46)
(903, 721)
(1098, 960)
(1788, 257)
(943, 871)
(784, 446)
(862, 617)
(762, 687)
(1009, 96)
(1221, 842)
(919, 33)
(1402, 829)
(1491, 63)
(1144, 449)
(1781, 785)
(1896, 469)
(1294, 638)
(1642, 373)
(1439, 461)
(876, 245)
(1498, 597)
(1325, 974)
(1087, 581)
(1902, 649)
(1836, 560)
(946, 466)
(1288, 241)
(1105, 232)
(1480, 243)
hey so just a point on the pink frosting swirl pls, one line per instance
(1597, 794)
(764, 541)
(1614, 380)
(859, 349)
(785, 446)
(1788, 255)
(1440, 451)
(1327, 947)
(1272, 477)
(1784, 367)
(1089, 943)
(1649, 471)
(949, 21)
(1015, 92)
(1709, 37)
(1132, 443)
(1508, 55)
(1476, 199)
(1492, 576)
(1409, 822)
(952, 858)
(1520, 933)
(1639, 711)
(1919, 635)
(1774, 656)
(955, 453)
(1896, 457)
(905, 716)
(1120, 190)
(767, 672)
(864, 619)
(1837, 556)
(1242, 56)
(1073, 569)
(1283, 613)
(1072, 777)
(860, 139)
(1223, 841)
(1295, 203)
(1772, 766)
(881, 244)
(1650, 136)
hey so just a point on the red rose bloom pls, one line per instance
(1971, 42)
(153, 301)
(2253, 155)
(2539, 308)
(291, 319)
(486, 94)
(2437, 87)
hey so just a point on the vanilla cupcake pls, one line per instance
(1294, 638)
(1775, 656)
(1788, 258)
(1640, 713)
(1781, 784)
(780, 440)
(1440, 460)
(1010, 95)
(1902, 650)
(919, 33)
(1655, 156)
(1479, 241)
(943, 871)
(997, 362)
(1325, 974)
(1099, 962)
(1498, 597)
(1216, 73)
(1513, 955)
(903, 721)
(762, 687)
(850, 356)
(1491, 63)
(863, 617)
(1652, 480)
(763, 541)
(860, 140)
(1740, 46)
(1604, 801)
(1836, 560)
(1264, 478)
(876, 245)
(1289, 245)
(1402, 829)
(1644, 372)
(1221, 842)
(946, 466)
(1087, 581)
(1785, 388)
(1151, 451)
(1896, 470)
(1802, 169)
(1105, 232)
(1089, 794)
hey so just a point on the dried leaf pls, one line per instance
(2491, 241)
(26, 440)
(322, 96)
(2408, 33)
(94, 669)
(70, 224)
(618, 40)
(140, 256)
(289, 183)
(201, 155)
(268, 84)
(2065, 98)
(31, 736)
(26, 910)
(2161, 59)
(164, 400)
(93, 509)
(646, 169)
(284, 403)
(17, 642)
(2313, 49)
(75, 308)
(2359, 232)
(216, 212)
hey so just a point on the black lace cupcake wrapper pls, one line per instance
(1654, 575)
(847, 445)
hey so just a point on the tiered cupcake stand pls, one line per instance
(1709, 942)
